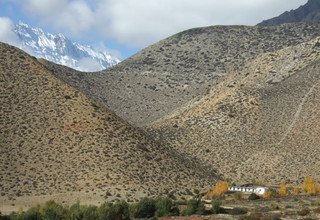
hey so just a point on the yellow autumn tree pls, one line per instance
(270, 193)
(309, 186)
(283, 190)
(219, 189)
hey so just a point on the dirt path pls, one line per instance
(298, 112)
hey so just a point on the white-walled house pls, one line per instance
(259, 190)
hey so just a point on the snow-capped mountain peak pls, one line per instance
(59, 49)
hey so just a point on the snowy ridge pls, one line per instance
(61, 50)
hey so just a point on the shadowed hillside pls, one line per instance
(55, 141)
(310, 12)
(180, 69)
(261, 122)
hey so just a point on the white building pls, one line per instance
(259, 190)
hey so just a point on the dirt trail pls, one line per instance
(298, 112)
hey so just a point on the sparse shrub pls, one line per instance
(90, 212)
(33, 214)
(82, 212)
(237, 211)
(196, 191)
(253, 196)
(283, 190)
(118, 211)
(317, 210)
(4, 217)
(144, 209)
(194, 206)
(275, 206)
(181, 202)
(216, 206)
(303, 212)
(252, 216)
(53, 211)
(238, 195)
(270, 193)
(122, 210)
(163, 206)
(272, 217)
(75, 212)
(309, 186)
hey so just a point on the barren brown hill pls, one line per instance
(261, 122)
(57, 143)
(181, 69)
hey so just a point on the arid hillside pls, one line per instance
(180, 69)
(260, 122)
(55, 141)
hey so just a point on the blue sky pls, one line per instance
(126, 26)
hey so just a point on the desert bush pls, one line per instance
(194, 206)
(117, 211)
(317, 210)
(53, 211)
(237, 211)
(275, 206)
(106, 211)
(283, 190)
(163, 206)
(90, 212)
(216, 206)
(145, 208)
(303, 212)
(181, 202)
(252, 216)
(75, 212)
(33, 214)
(272, 217)
(15, 216)
(309, 186)
(122, 209)
(253, 196)
(4, 217)
(238, 195)
(82, 212)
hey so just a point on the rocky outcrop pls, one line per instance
(310, 12)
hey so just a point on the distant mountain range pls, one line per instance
(310, 12)
(61, 50)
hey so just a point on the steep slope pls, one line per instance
(181, 68)
(61, 50)
(258, 123)
(310, 12)
(54, 140)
